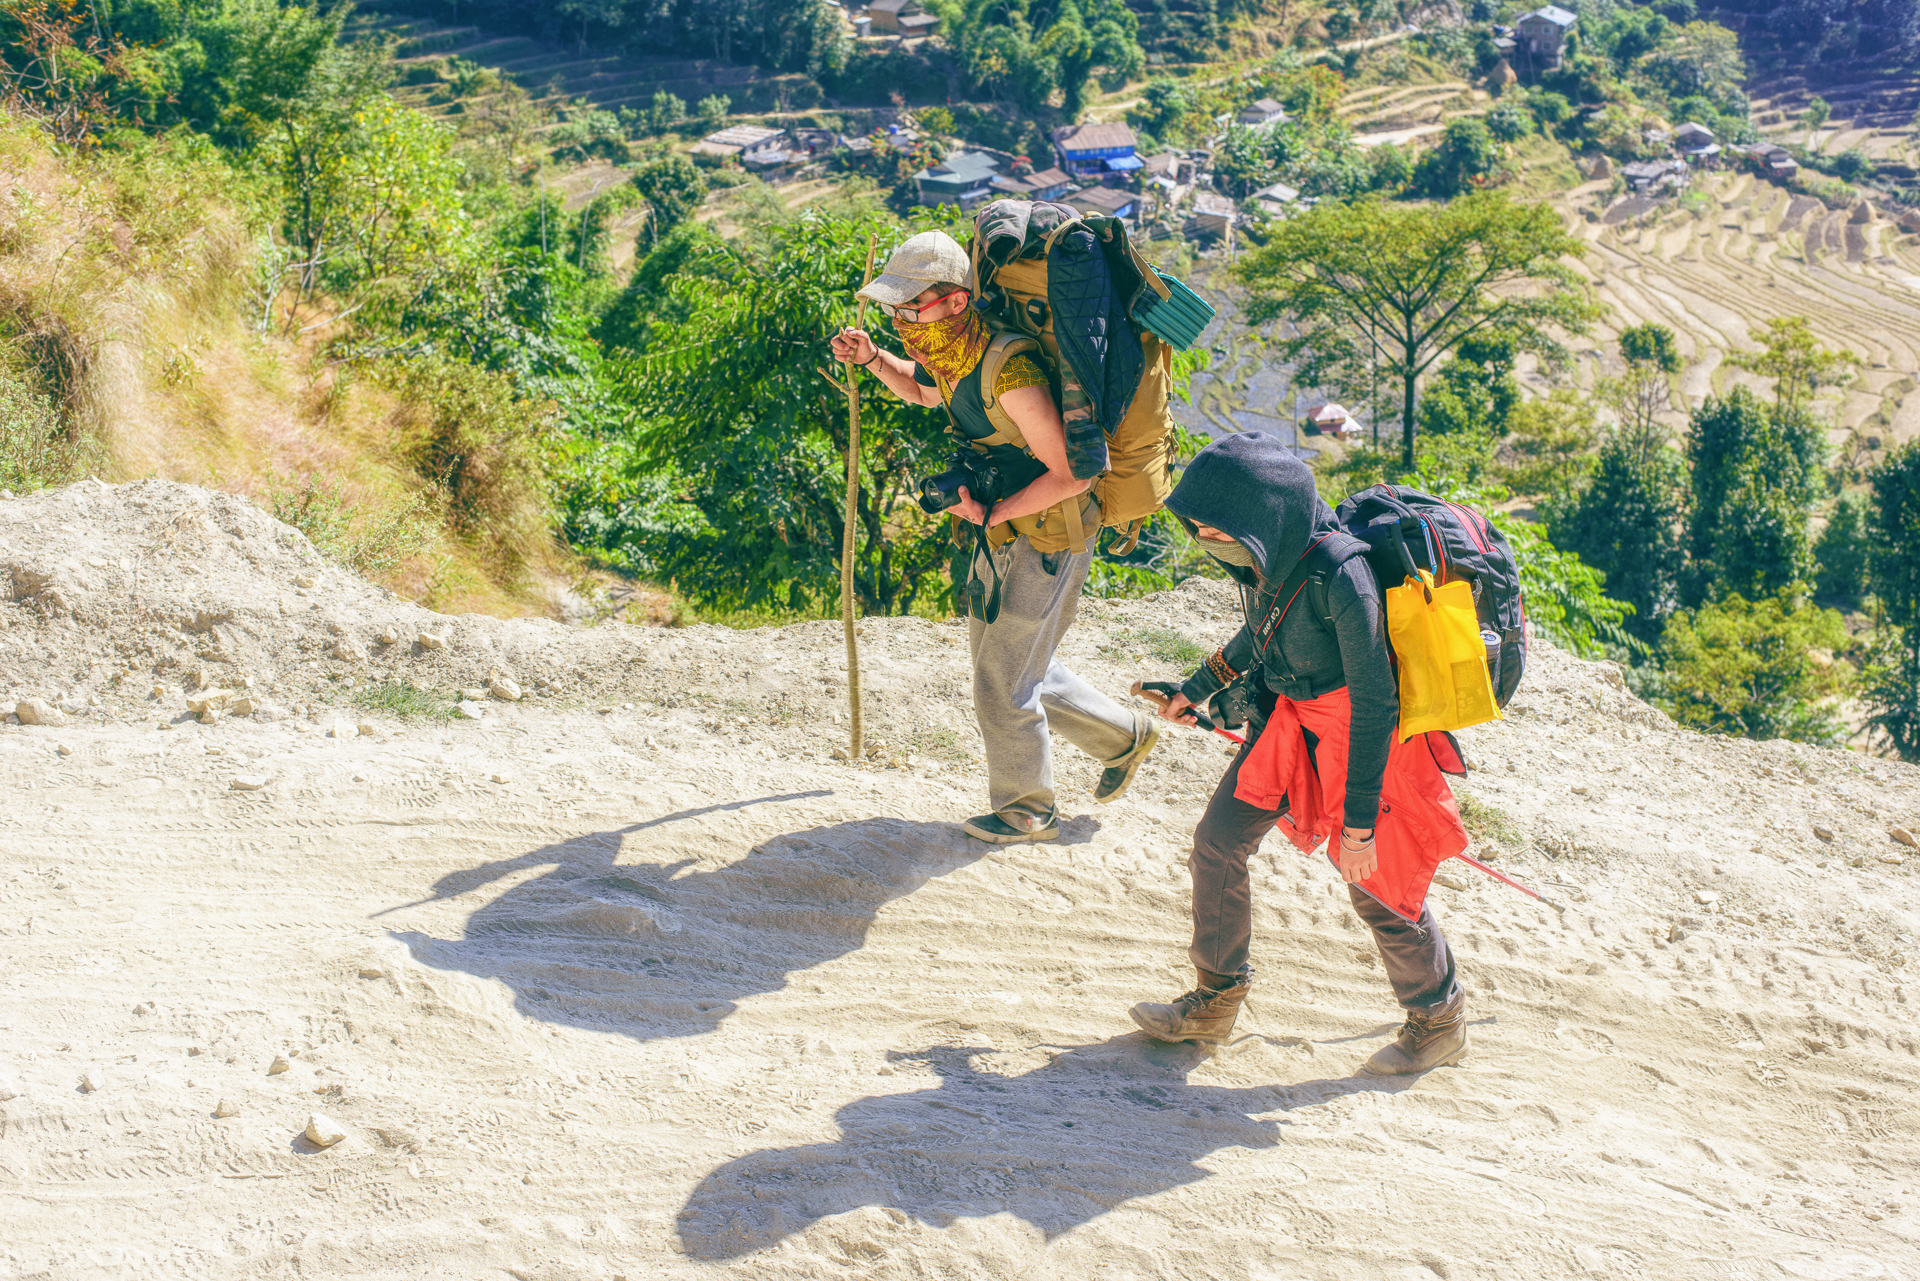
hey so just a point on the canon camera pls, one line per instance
(976, 472)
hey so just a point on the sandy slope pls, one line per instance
(684, 998)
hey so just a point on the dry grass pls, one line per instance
(141, 306)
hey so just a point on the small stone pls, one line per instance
(158, 691)
(145, 1007)
(64, 750)
(386, 636)
(427, 640)
(470, 709)
(93, 1080)
(604, 711)
(397, 1137)
(209, 717)
(367, 729)
(1450, 881)
(841, 754)
(1823, 832)
(10, 1087)
(303, 580)
(210, 700)
(37, 711)
(1895, 859)
(474, 694)
(323, 1131)
(343, 729)
(502, 778)
(1900, 835)
(242, 707)
(1705, 896)
(225, 1109)
(248, 782)
(278, 1065)
(372, 972)
(348, 651)
(1579, 791)
(505, 690)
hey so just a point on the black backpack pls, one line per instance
(1400, 529)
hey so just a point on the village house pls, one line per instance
(1654, 175)
(1540, 37)
(1096, 151)
(1772, 160)
(964, 179)
(1049, 184)
(1212, 216)
(1695, 142)
(901, 18)
(1104, 200)
(1261, 114)
(1175, 168)
(1279, 200)
(749, 144)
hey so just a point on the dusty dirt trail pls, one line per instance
(664, 992)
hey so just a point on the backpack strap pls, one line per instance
(1329, 563)
(1003, 348)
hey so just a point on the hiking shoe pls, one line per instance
(1117, 777)
(1429, 1039)
(998, 830)
(1205, 1014)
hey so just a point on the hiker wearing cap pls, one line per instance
(1021, 691)
(1320, 751)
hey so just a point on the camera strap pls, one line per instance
(980, 604)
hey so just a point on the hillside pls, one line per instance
(628, 978)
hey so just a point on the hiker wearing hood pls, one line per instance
(1319, 750)
(1021, 691)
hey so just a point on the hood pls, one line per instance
(1251, 486)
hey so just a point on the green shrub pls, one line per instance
(468, 431)
(371, 544)
(35, 449)
(1750, 668)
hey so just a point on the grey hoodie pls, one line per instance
(1251, 486)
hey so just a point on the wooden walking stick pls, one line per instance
(850, 538)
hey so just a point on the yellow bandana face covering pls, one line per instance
(949, 349)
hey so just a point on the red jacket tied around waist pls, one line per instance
(1419, 825)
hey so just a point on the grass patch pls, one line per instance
(1163, 643)
(1486, 823)
(35, 450)
(941, 745)
(374, 544)
(405, 700)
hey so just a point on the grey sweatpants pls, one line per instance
(1020, 690)
(1415, 954)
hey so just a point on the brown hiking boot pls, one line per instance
(1429, 1039)
(1205, 1014)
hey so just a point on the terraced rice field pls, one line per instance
(1754, 251)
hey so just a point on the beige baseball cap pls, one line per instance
(916, 266)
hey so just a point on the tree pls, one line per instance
(673, 188)
(735, 421)
(1371, 286)
(1628, 523)
(1552, 445)
(1841, 553)
(1466, 158)
(1755, 473)
(1817, 112)
(1644, 389)
(1027, 50)
(666, 109)
(714, 107)
(1475, 389)
(1893, 570)
(1791, 356)
(1761, 669)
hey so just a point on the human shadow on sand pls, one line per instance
(1058, 1146)
(652, 950)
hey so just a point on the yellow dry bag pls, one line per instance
(1442, 661)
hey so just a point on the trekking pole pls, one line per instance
(1161, 693)
(850, 537)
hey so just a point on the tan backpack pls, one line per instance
(1139, 473)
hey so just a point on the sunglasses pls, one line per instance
(912, 314)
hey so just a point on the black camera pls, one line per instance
(977, 472)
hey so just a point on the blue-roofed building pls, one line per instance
(1097, 150)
